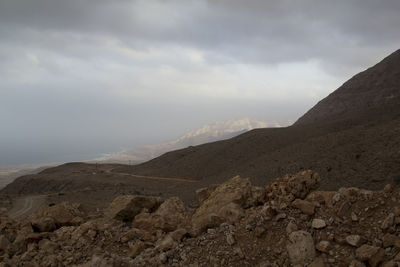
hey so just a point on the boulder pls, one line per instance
(51, 218)
(125, 208)
(46, 224)
(171, 215)
(300, 248)
(225, 204)
(305, 206)
(292, 186)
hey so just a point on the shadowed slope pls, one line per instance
(376, 87)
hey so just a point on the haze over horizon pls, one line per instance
(82, 78)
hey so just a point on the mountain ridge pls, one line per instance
(355, 94)
(356, 145)
(208, 133)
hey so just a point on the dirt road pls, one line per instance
(24, 206)
(182, 180)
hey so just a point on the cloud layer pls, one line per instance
(99, 76)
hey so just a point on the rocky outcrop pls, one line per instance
(236, 225)
(290, 187)
(225, 204)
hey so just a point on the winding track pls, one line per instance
(25, 206)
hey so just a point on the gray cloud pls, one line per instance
(113, 74)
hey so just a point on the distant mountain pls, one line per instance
(208, 133)
(8, 174)
(352, 138)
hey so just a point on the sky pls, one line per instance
(79, 78)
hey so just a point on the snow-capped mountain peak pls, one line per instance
(208, 133)
(226, 127)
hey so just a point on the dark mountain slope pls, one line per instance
(352, 137)
(376, 87)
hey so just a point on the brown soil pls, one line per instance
(95, 185)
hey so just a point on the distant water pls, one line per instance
(29, 157)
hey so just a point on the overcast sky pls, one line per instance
(83, 77)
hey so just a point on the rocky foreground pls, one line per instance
(236, 224)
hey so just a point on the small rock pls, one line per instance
(48, 246)
(336, 197)
(389, 240)
(291, 227)
(163, 257)
(374, 255)
(230, 239)
(344, 209)
(377, 242)
(280, 216)
(356, 263)
(211, 231)
(318, 262)
(300, 247)
(136, 249)
(268, 212)
(178, 234)
(4, 243)
(354, 217)
(387, 188)
(388, 222)
(305, 206)
(391, 263)
(238, 251)
(259, 231)
(318, 224)
(354, 240)
(166, 244)
(323, 246)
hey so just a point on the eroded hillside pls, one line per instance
(237, 224)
